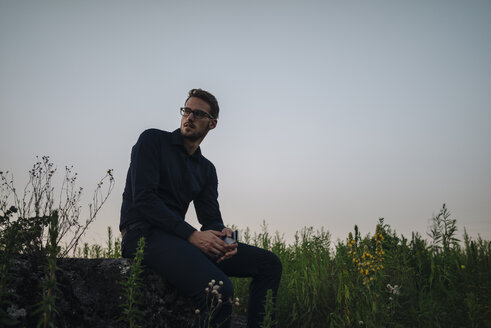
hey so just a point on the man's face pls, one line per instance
(192, 128)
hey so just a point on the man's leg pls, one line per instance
(185, 267)
(265, 269)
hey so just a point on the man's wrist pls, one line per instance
(184, 230)
(192, 235)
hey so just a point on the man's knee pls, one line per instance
(278, 264)
(275, 267)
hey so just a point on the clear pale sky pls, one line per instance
(333, 113)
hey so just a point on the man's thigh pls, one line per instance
(250, 261)
(179, 262)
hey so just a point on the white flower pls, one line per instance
(124, 269)
(16, 313)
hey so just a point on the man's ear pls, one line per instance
(212, 124)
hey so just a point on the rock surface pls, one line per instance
(89, 294)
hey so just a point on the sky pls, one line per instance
(333, 113)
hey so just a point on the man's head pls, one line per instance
(199, 115)
(207, 97)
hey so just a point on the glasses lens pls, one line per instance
(185, 111)
(198, 114)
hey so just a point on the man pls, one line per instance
(167, 172)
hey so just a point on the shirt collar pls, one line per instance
(177, 140)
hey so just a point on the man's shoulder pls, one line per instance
(154, 135)
(153, 132)
(208, 163)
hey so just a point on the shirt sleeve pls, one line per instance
(145, 175)
(206, 204)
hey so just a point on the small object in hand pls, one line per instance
(233, 239)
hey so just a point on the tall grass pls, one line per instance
(381, 279)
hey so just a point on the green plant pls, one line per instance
(409, 283)
(31, 225)
(268, 320)
(131, 288)
(443, 231)
(37, 203)
(113, 247)
(47, 306)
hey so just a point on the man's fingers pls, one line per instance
(228, 255)
(217, 233)
(227, 231)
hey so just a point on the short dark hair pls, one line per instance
(208, 97)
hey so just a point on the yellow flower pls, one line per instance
(462, 266)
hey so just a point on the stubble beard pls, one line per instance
(193, 136)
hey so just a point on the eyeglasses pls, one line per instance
(198, 114)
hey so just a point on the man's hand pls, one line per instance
(210, 242)
(228, 232)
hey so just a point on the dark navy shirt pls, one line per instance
(163, 179)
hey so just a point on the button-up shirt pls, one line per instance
(162, 181)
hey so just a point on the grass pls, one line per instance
(380, 279)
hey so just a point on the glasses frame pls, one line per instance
(182, 109)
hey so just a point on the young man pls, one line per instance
(167, 172)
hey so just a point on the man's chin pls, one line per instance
(191, 135)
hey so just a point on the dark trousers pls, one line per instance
(191, 271)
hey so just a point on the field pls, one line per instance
(378, 279)
(381, 279)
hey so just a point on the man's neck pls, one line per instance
(191, 145)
